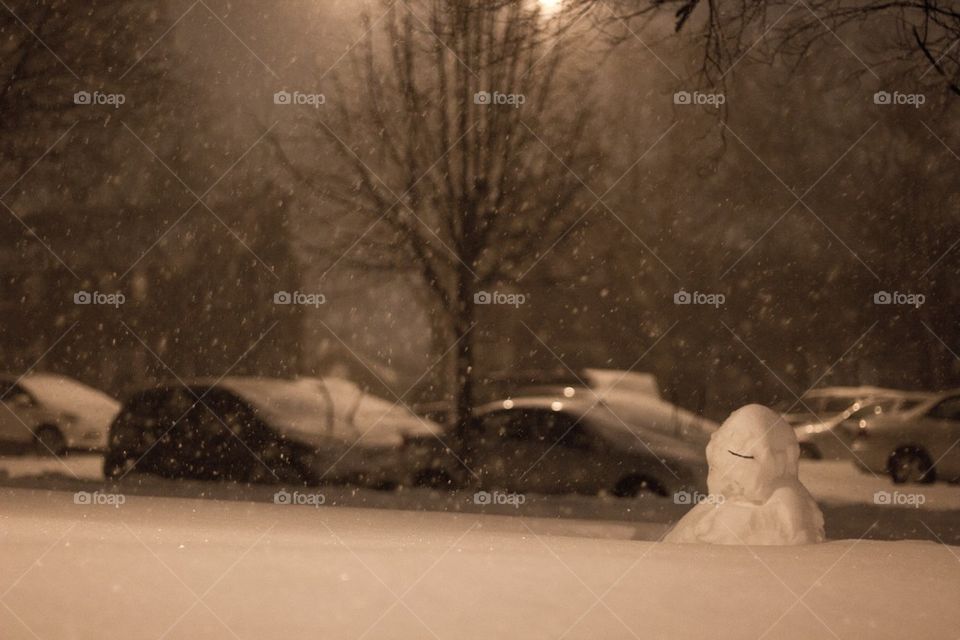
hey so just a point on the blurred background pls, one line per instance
(199, 198)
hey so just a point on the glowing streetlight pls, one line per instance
(550, 6)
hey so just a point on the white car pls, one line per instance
(921, 444)
(830, 433)
(49, 413)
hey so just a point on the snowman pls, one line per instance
(755, 495)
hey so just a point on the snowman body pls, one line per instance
(756, 496)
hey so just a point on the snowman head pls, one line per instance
(752, 453)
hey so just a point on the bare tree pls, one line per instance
(52, 49)
(95, 195)
(924, 33)
(461, 138)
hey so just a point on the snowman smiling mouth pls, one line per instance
(739, 455)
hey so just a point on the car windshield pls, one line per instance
(829, 406)
(874, 409)
(283, 401)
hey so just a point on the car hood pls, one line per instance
(61, 395)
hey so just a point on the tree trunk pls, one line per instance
(462, 324)
(464, 383)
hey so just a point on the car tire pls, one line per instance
(49, 441)
(290, 474)
(114, 465)
(634, 485)
(433, 479)
(911, 464)
(385, 485)
(810, 451)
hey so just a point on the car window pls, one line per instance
(574, 435)
(229, 409)
(873, 409)
(949, 409)
(835, 405)
(15, 394)
(495, 425)
(199, 425)
(521, 425)
(906, 405)
(146, 403)
(525, 425)
(177, 403)
(546, 427)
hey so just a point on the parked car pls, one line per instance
(592, 382)
(824, 402)
(553, 444)
(830, 435)
(49, 414)
(258, 430)
(920, 444)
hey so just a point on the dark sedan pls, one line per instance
(575, 445)
(257, 430)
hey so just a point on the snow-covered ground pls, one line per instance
(845, 495)
(830, 482)
(422, 564)
(185, 568)
(839, 482)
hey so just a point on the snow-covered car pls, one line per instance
(354, 409)
(49, 414)
(258, 430)
(921, 444)
(648, 411)
(824, 402)
(553, 444)
(533, 383)
(588, 380)
(635, 398)
(427, 454)
(830, 436)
